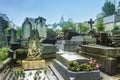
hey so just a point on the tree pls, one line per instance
(69, 25)
(116, 28)
(108, 8)
(84, 28)
(99, 25)
(19, 32)
(50, 32)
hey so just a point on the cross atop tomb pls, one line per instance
(91, 22)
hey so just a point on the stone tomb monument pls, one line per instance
(33, 60)
(26, 31)
(108, 57)
(41, 27)
(3, 37)
(61, 63)
(12, 33)
(30, 24)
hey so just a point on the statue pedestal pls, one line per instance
(36, 64)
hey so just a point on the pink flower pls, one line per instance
(97, 66)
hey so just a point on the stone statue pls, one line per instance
(34, 46)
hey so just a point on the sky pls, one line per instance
(51, 10)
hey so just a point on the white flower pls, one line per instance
(71, 78)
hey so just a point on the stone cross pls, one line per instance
(91, 22)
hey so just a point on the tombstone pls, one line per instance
(12, 33)
(41, 27)
(33, 60)
(3, 37)
(26, 31)
(91, 22)
(61, 63)
(106, 56)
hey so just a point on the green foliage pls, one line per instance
(19, 32)
(108, 8)
(69, 25)
(75, 66)
(100, 25)
(116, 28)
(4, 53)
(21, 53)
(19, 62)
(20, 72)
(50, 32)
(7, 29)
(84, 28)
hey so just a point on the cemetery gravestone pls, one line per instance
(33, 60)
(40, 26)
(26, 31)
(12, 32)
(60, 65)
(3, 37)
(91, 22)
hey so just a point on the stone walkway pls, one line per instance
(108, 77)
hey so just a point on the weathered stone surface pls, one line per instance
(12, 33)
(5, 68)
(67, 57)
(111, 66)
(48, 48)
(26, 29)
(67, 45)
(37, 64)
(101, 50)
(108, 64)
(34, 46)
(69, 75)
(40, 24)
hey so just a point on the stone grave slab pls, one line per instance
(48, 51)
(67, 45)
(48, 48)
(5, 68)
(108, 64)
(101, 50)
(67, 57)
(69, 75)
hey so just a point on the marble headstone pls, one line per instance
(3, 37)
(12, 32)
(40, 26)
(26, 30)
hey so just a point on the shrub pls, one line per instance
(4, 53)
(21, 53)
